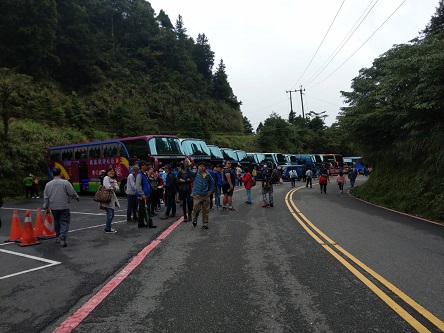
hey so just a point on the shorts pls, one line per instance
(226, 190)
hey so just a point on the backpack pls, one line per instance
(293, 174)
(323, 179)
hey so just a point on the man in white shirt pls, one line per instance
(309, 176)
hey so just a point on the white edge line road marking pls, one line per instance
(50, 263)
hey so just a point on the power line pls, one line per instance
(320, 44)
(360, 46)
(336, 51)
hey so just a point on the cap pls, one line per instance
(167, 167)
(142, 162)
(201, 162)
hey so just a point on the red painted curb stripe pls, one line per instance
(75, 319)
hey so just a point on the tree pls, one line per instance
(203, 56)
(164, 20)
(276, 135)
(181, 31)
(15, 90)
(436, 23)
(248, 129)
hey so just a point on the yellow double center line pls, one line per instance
(335, 250)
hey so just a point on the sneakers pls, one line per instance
(185, 218)
(248, 202)
(164, 217)
(111, 231)
(231, 208)
(271, 205)
(265, 205)
(63, 242)
(205, 226)
(194, 223)
(224, 207)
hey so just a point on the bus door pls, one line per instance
(83, 177)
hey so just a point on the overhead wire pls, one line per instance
(319, 45)
(359, 47)
(343, 42)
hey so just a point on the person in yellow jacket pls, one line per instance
(29, 186)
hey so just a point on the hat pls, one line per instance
(201, 162)
(142, 162)
(167, 167)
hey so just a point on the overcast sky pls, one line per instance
(267, 45)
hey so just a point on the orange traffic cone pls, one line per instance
(28, 237)
(38, 229)
(16, 228)
(48, 228)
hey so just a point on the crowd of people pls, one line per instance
(195, 187)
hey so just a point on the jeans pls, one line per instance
(309, 182)
(248, 191)
(293, 182)
(352, 182)
(109, 218)
(217, 196)
(132, 207)
(170, 203)
(62, 218)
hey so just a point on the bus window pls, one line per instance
(137, 148)
(165, 146)
(80, 153)
(67, 154)
(55, 155)
(94, 152)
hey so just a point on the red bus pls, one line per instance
(337, 162)
(81, 163)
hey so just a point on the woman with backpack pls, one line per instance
(323, 180)
(340, 179)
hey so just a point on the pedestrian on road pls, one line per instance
(218, 179)
(203, 187)
(131, 208)
(35, 184)
(293, 175)
(340, 179)
(184, 180)
(228, 177)
(247, 179)
(143, 191)
(29, 186)
(352, 177)
(309, 176)
(170, 193)
(56, 200)
(269, 178)
(323, 180)
(110, 183)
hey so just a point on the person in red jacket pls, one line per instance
(247, 179)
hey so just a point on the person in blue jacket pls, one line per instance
(143, 191)
(204, 186)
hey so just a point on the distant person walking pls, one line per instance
(218, 184)
(170, 193)
(340, 179)
(323, 180)
(131, 208)
(248, 182)
(228, 177)
(29, 186)
(143, 191)
(309, 177)
(56, 200)
(110, 183)
(352, 175)
(184, 180)
(35, 184)
(269, 178)
(293, 175)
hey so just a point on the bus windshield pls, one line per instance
(195, 147)
(215, 152)
(260, 158)
(241, 156)
(165, 146)
(280, 158)
(229, 154)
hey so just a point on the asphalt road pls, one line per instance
(313, 263)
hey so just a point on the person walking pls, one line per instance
(143, 191)
(323, 180)
(293, 175)
(56, 199)
(154, 181)
(352, 175)
(218, 185)
(184, 180)
(228, 186)
(269, 178)
(340, 179)
(131, 208)
(35, 184)
(202, 189)
(309, 177)
(110, 183)
(170, 193)
(29, 186)
(248, 180)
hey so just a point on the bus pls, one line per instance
(243, 159)
(257, 158)
(81, 163)
(336, 161)
(291, 159)
(197, 149)
(216, 155)
(276, 158)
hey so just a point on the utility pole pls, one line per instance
(302, 102)
(292, 114)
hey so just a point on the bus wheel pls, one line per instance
(123, 187)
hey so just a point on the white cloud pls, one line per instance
(266, 46)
